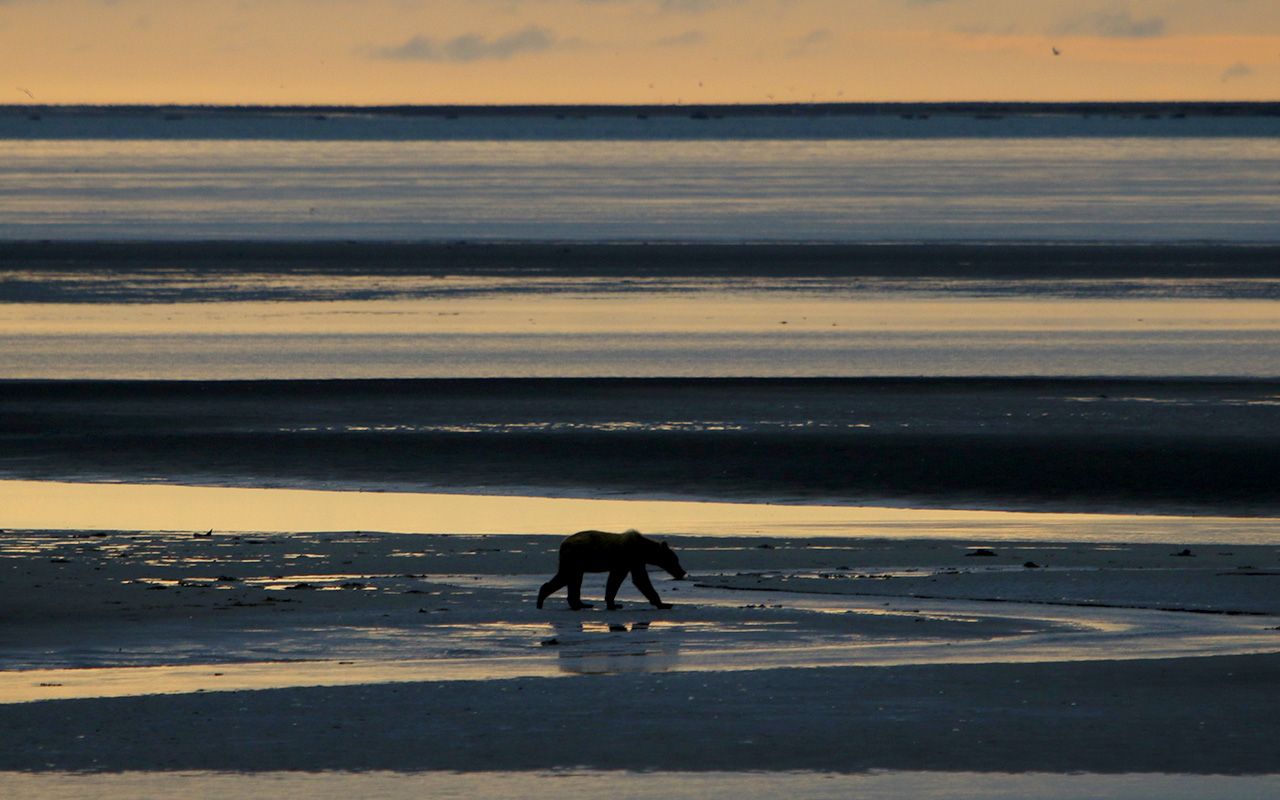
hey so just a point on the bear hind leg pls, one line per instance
(557, 582)
(575, 592)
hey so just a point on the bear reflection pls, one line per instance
(596, 648)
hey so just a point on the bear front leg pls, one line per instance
(640, 577)
(612, 586)
(575, 592)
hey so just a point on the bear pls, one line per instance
(617, 554)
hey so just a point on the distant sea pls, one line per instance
(792, 241)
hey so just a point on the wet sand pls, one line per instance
(1101, 658)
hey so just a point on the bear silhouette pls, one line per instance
(617, 554)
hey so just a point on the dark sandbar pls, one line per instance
(955, 260)
(151, 271)
(1169, 446)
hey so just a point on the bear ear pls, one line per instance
(666, 546)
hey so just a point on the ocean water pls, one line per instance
(1051, 189)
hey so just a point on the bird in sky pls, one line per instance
(1056, 51)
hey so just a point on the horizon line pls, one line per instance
(1257, 107)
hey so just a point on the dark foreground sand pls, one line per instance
(1208, 716)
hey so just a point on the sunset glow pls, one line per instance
(635, 51)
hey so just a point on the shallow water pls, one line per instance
(51, 505)
(706, 635)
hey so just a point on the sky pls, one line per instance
(368, 52)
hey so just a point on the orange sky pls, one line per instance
(635, 51)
